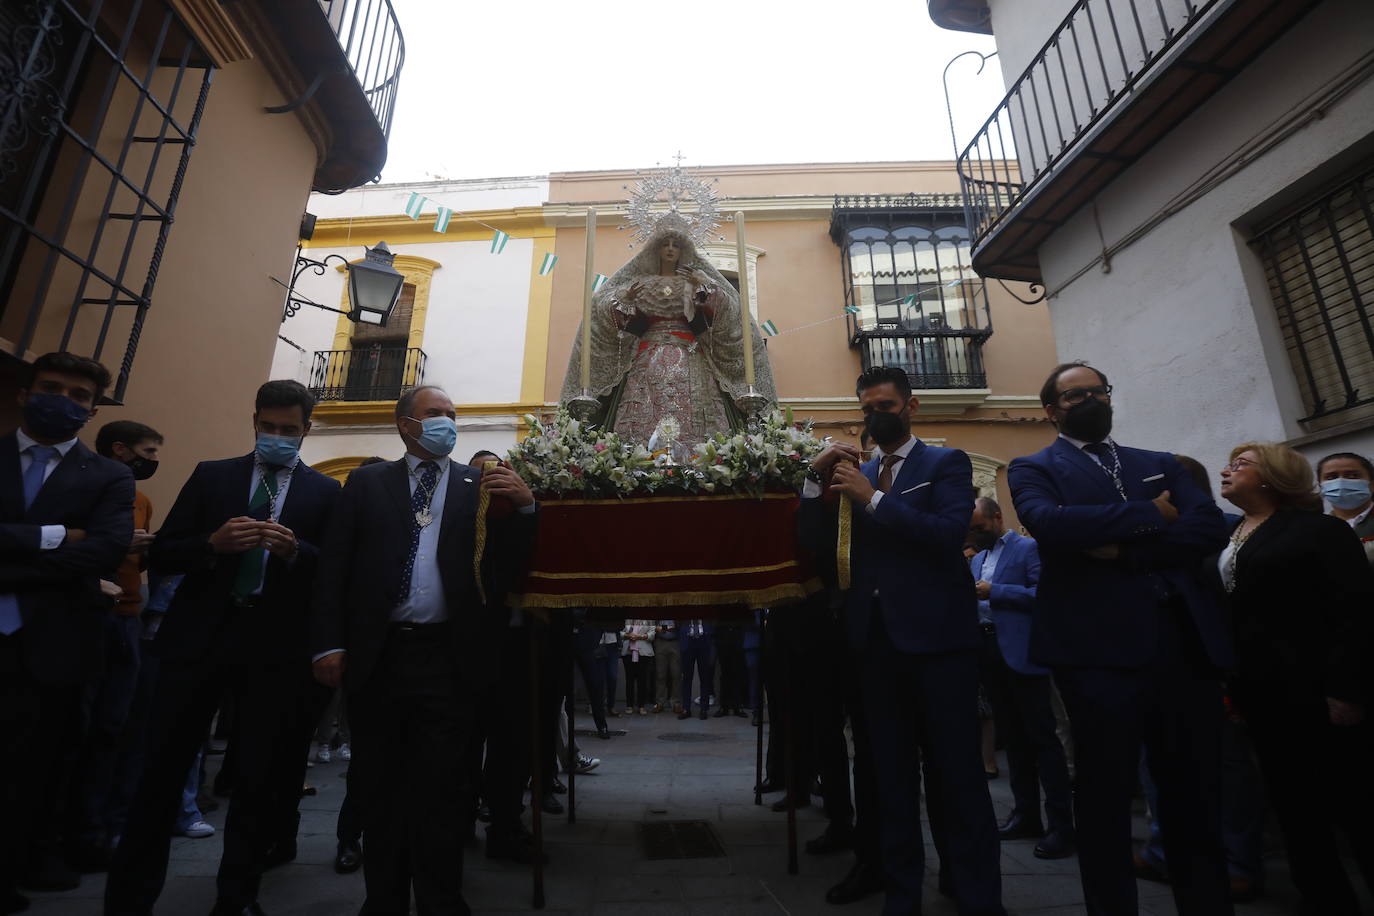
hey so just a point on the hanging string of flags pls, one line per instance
(770, 329)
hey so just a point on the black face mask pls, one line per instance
(887, 428)
(142, 468)
(1090, 421)
(984, 540)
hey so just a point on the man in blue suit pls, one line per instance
(911, 618)
(66, 521)
(1133, 637)
(1006, 572)
(245, 532)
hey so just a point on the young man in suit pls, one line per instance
(1134, 639)
(1006, 571)
(912, 619)
(66, 522)
(398, 618)
(245, 533)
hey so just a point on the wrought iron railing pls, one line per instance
(898, 202)
(1090, 65)
(932, 358)
(371, 39)
(372, 373)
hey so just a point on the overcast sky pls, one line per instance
(526, 87)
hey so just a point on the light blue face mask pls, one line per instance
(438, 435)
(1345, 493)
(278, 451)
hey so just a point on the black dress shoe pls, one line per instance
(519, 848)
(784, 803)
(550, 804)
(685, 714)
(768, 786)
(604, 733)
(349, 857)
(558, 788)
(721, 712)
(1057, 844)
(740, 714)
(702, 715)
(1017, 827)
(88, 859)
(863, 879)
(833, 840)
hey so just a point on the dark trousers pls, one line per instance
(1025, 721)
(790, 718)
(1173, 707)
(275, 705)
(39, 732)
(638, 681)
(105, 709)
(410, 722)
(924, 709)
(730, 657)
(833, 692)
(610, 669)
(1318, 787)
(506, 725)
(585, 641)
(699, 656)
(132, 744)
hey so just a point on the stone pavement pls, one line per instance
(598, 867)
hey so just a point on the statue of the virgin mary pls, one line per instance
(667, 342)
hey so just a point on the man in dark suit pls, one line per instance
(1006, 571)
(244, 531)
(1134, 639)
(912, 618)
(398, 618)
(66, 522)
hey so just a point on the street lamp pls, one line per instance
(374, 286)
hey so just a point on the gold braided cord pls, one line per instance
(648, 500)
(666, 574)
(480, 532)
(842, 542)
(755, 598)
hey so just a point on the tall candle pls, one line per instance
(746, 321)
(589, 280)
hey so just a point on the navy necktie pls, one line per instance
(420, 502)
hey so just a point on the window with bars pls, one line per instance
(103, 100)
(1319, 264)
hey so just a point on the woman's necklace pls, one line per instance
(1239, 536)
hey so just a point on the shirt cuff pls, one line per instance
(811, 489)
(50, 537)
(319, 655)
(528, 510)
(877, 498)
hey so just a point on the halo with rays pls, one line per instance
(672, 198)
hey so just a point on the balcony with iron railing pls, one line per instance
(1112, 79)
(373, 373)
(343, 58)
(933, 354)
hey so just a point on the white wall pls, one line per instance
(476, 194)
(496, 434)
(1183, 323)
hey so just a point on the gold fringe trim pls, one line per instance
(643, 500)
(754, 598)
(480, 532)
(842, 542)
(666, 574)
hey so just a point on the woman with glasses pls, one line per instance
(1300, 593)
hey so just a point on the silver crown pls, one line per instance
(670, 198)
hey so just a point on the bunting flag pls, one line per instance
(852, 309)
(547, 267)
(498, 242)
(415, 205)
(909, 300)
(599, 282)
(441, 221)
(769, 328)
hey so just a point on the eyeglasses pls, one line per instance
(1073, 396)
(1240, 463)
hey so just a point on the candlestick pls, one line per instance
(745, 319)
(588, 279)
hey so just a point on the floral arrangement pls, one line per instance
(566, 457)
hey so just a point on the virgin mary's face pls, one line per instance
(670, 250)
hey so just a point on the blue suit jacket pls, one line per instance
(1104, 613)
(1012, 599)
(910, 549)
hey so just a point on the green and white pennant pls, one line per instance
(769, 328)
(415, 205)
(599, 281)
(498, 242)
(546, 268)
(852, 309)
(441, 221)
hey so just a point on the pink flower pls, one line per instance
(601, 446)
(668, 473)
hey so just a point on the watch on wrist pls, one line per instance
(812, 475)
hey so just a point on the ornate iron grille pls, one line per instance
(370, 373)
(1319, 262)
(101, 106)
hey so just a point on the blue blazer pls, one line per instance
(1012, 599)
(910, 549)
(60, 603)
(1104, 612)
(202, 621)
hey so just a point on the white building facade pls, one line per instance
(1195, 196)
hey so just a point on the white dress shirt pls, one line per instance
(50, 536)
(811, 489)
(986, 573)
(275, 506)
(425, 603)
